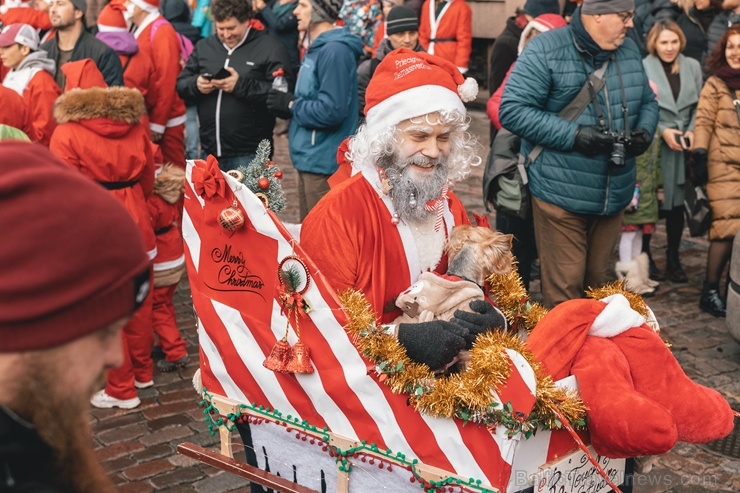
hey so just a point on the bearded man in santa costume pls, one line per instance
(377, 231)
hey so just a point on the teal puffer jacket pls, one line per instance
(546, 78)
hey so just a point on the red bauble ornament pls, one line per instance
(231, 218)
(278, 174)
(263, 183)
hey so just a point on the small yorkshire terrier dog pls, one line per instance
(474, 253)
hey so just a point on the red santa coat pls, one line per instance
(26, 15)
(13, 112)
(350, 237)
(164, 51)
(164, 209)
(452, 28)
(140, 74)
(100, 135)
(40, 92)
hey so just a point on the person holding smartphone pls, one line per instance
(679, 80)
(228, 76)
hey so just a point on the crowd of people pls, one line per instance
(605, 113)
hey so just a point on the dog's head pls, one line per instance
(489, 250)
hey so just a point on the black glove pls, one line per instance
(277, 103)
(483, 317)
(591, 140)
(433, 343)
(639, 142)
(699, 167)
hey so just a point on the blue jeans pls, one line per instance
(233, 162)
(192, 137)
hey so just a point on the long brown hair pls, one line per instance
(717, 59)
(652, 39)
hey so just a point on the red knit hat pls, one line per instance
(72, 261)
(82, 74)
(111, 18)
(408, 84)
(147, 5)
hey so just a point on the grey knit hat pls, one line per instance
(325, 10)
(596, 7)
(401, 19)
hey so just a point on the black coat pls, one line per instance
(88, 46)
(233, 124)
(503, 54)
(21, 452)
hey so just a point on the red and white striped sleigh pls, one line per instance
(339, 429)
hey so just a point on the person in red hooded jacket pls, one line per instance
(13, 112)
(138, 69)
(158, 39)
(100, 134)
(30, 76)
(169, 264)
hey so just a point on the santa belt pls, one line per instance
(162, 231)
(442, 40)
(117, 185)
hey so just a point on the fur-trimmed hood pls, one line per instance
(117, 104)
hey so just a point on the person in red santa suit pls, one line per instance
(138, 69)
(31, 76)
(446, 30)
(169, 264)
(13, 112)
(378, 230)
(100, 134)
(158, 39)
(25, 12)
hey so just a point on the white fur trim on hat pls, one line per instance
(111, 29)
(143, 5)
(616, 317)
(417, 101)
(468, 90)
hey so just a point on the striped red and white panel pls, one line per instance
(234, 281)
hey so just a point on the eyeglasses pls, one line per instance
(626, 16)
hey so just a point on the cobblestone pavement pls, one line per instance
(137, 447)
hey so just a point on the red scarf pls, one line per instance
(730, 76)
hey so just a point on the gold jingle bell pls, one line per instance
(231, 218)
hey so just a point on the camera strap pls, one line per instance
(594, 83)
(604, 122)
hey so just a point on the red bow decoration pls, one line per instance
(208, 179)
(290, 300)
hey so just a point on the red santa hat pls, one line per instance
(147, 5)
(408, 84)
(82, 74)
(111, 18)
(13, 4)
(541, 23)
(74, 262)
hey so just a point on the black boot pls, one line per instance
(673, 270)
(653, 270)
(710, 300)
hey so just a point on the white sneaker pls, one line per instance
(143, 385)
(104, 401)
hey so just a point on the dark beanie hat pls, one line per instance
(536, 8)
(325, 10)
(80, 5)
(400, 19)
(599, 7)
(71, 261)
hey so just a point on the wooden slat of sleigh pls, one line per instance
(253, 474)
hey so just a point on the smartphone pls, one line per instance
(683, 141)
(207, 76)
(221, 74)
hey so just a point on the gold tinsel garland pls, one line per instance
(465, 395)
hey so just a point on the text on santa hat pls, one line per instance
(412, 68)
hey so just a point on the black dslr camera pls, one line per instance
(618, 156)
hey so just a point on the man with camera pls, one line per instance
(228, 76)
(579, 98)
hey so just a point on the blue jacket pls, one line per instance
(546, 78)
(324, 110)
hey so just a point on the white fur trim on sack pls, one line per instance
(417, 101)
(616, 317)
